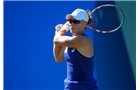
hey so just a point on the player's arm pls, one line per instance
(75, 41)
(58, 51)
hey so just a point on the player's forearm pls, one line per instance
(56, 48)
(56, 51)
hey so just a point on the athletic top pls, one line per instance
(80, 71)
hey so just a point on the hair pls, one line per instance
(90, 17)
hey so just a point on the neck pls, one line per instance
(76, 34)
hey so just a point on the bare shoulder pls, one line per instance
(85, 39)
(86, 48)
(82, 41)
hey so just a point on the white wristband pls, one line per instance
(65, 27)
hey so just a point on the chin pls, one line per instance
(72, 30)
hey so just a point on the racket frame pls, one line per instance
(107, 31)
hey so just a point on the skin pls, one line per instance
(82, 43)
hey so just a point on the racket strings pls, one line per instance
(90, 16)
(106, 18)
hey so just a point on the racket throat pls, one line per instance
(90, 26)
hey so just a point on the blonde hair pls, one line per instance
(90, 17)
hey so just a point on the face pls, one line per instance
(77, 26)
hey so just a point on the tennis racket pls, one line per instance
(106, 18)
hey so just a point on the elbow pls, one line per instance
(55, 41)
(58, 60)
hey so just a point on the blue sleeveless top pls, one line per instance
(80, 71)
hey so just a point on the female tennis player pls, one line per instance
(77, 50)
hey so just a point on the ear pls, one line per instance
(85, 24)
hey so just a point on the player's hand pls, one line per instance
(58, 28)
(61, 29)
